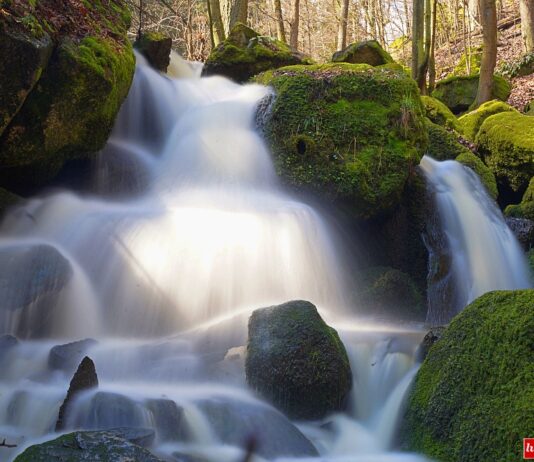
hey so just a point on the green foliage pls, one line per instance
(459, 93)
(245, 53)
(521, 67)
(443, 144)
(470, 123)
(506, 142)
(485, 174)
(367, 52)
(472, 399)
(474, 58)
(438, 113)
(526, 208)
(389, 293)
(350, 132)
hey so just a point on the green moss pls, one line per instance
(459, 93)
(470, 123)
(443, 144)
(365, 127)
(521, 67)
(438, 113)
(367, 52)
(526, 208)
(474, 58)
(472, 400)
(485, 174)
(245, 53)
(389, 293)
(506, 142)
(530, 258)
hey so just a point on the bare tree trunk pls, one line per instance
(408, 22)
(488, 18)
(418, 50)
(342, 29)
(294, 35)
(280, 30)
(432, 58)
(526, 8)
(216, 22)
(233, 11)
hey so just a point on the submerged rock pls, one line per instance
(472, 397)
(459, 93)
(235, 422)
(84, 378)
(296, 361)
(169, 419)
(98, 446)
(66, 357)
(366, 52)
(350, 133)
(245, 53)
(7, 342)
(156, 48)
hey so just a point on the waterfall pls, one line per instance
(184, 231)
(479, 253)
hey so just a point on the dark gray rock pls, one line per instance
(296, 361)
(432, 336)
(85, 378)
(66, 357)
(156, 48)
(98, 446)
(140, 436)
(523, 229)
(7, 342)
(168, 419)
(236, 422)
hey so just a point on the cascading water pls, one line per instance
(482, 252)
(162, 267)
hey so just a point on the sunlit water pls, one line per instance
(163, 267)
(484, 253)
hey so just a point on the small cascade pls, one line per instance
(471, 246)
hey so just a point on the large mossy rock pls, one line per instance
(459, 93)
(438, 113)
(443, 143)
(472, 397)
(366, 52)
(246, 53)
(347, 132)
(296, 361)
(484, 173)
(506, 143)
(156, 48)
(98, 446)
(470, 123)
(525, 209)
(72, 106)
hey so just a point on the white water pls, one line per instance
(165, 280)
(485, 254)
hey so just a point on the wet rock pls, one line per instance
(156, 48)
(235, 422)
(432, 336)
(7, 342)
(366, 52)
(84, 378)
(523, 229)
(168, 419)
(183, 457)
(296, 361)
(66, 357)
(98, 446)
(140, 436)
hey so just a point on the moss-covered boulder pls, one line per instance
(71, 108)
(484, 173)
(296, 361)
(156, 48)
(366, 52)
(443, 144)
(459, 93)
(525, 209)
(389, 293)
(246, 53)
(470, 123)
(348, 132)
(24, 54)
(530, 258)
(506, 143)
(438, 113)
(95, 446)
(472, 397)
